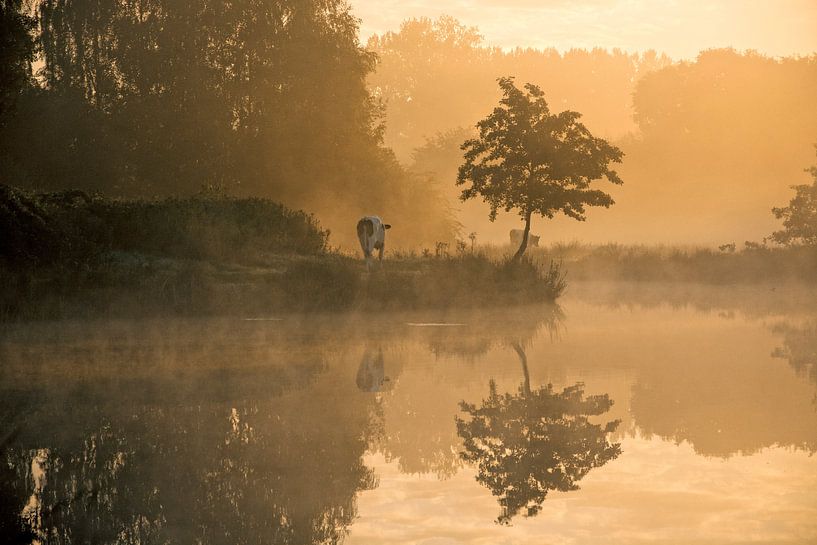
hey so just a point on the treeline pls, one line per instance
(711, 145)
(438, 75)
(156, 97)
(279, 100)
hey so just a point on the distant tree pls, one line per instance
(800, 216)
(529, 160)
(437, 74)
(534, 441)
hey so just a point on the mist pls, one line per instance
(711, 144)
(310, 272)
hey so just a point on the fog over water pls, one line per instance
(309, 429)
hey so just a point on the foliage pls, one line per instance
(695, 120)
(696, 133)
(529, 160)
(800, 216)
(437, 74)
(267, 99)
(73, 227)
(16, 52)
(529, 443)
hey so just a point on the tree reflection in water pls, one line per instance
(799, 348)
(256, 460)
(528, 443)
(416, 437)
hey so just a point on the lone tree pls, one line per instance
(529, 160)
(800, 216)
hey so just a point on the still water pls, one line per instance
(624, 415)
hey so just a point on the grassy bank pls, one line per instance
(638, 263)
(73, 254)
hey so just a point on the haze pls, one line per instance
(303, 272)
(679, 29)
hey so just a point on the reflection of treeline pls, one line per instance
(159, 97)
(799, 348)
(696, 134)
(736, 401)
(754, 300)
(235, 440)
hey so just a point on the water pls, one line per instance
(326, 428)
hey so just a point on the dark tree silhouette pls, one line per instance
(529, 160)
(16, 52)
(161, 98)
(529, 443)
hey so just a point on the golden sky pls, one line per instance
(680, 28)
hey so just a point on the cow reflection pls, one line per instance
(371, 375)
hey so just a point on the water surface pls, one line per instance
(685, 418)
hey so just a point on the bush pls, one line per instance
(71, 226)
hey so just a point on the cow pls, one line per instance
(371, 374)
(371, 231)
(516, 238)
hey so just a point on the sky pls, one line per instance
(679, 28)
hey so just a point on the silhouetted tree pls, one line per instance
(16, 51)
(800, 216)
(161, 98)
(534, 162)
(529, 443)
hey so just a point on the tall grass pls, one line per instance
(618, 262)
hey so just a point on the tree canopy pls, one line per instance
(534, 162)
(159, 97)
(800, 216)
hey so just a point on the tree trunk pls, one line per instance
(523, 359)
(522, 247)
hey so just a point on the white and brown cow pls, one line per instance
(518, 234)
(371, 231)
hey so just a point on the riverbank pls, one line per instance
(73, 254)
(138, 285)
(752, 264)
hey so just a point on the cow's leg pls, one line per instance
(380, 252)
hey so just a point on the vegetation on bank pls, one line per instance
(755, 263)
(69, 253)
